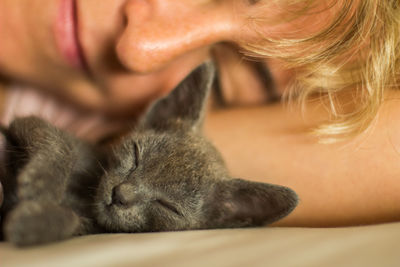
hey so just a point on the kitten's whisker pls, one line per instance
(102, 167)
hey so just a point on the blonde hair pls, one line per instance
(356, 54)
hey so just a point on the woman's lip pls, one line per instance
(66, 34)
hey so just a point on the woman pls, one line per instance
(109, 59)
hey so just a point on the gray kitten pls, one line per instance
(164, 176)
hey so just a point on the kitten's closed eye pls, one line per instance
(128, 164)
(168, 206)
(137, 155)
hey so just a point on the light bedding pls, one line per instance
(376, 245)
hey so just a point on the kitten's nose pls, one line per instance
(124, 194)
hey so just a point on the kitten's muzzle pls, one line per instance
(125, 195)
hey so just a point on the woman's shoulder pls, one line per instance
(355, 181)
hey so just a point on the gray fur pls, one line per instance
(164, 176)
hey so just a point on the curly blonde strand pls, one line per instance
(357, 54)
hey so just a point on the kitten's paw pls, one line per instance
(32, 223)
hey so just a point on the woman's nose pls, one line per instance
(159, 31)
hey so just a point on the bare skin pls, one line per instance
(347, 183)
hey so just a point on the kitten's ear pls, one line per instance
(185, 104)
(240, 203)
